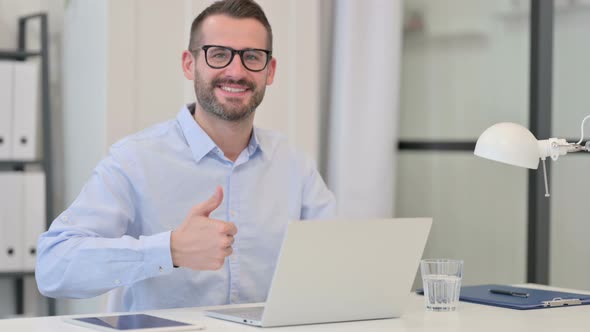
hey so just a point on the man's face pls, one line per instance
(231, 93)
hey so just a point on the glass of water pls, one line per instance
(441, 279)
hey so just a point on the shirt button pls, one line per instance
(64, 219)
(117, 282)
(233, 213)
(161, 269)
(234, 298)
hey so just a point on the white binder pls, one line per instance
(25, 145)
(6, 95)
(11, 207)
(33, 216)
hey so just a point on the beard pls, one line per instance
(233, 109)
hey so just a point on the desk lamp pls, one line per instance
(514, 144)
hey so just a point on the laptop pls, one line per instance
(335, 271)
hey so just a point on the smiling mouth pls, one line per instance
(232, 89)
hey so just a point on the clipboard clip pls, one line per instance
(559, 302)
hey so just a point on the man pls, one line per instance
(136, 228)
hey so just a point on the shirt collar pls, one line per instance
(254, 144)
(201, 144)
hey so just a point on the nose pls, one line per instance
(235, 67)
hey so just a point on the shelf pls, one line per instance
(19, 165)
(16, 274)
(22, 53)
(19, 162)
(17, 55)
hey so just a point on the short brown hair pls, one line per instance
(232, 8)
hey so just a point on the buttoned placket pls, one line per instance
(233, 215)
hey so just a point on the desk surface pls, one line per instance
(469, 317)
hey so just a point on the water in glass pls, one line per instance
(441, 292)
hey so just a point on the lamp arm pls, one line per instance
(555, 147)
(582, 129)
(574, 147)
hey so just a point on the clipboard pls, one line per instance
(534, 299)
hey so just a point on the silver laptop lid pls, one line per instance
(330, 271)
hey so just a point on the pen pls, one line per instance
(507, 292)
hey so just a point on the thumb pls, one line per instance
(205, 208)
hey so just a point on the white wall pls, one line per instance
(364, 109)
(10, 11)
(292, 104)
(135, 79)
(462, 76)
(146, 85)
(85, 90)
(122, 72)
(570, 186)
(84, 103)
(128, 71)
(464, 70)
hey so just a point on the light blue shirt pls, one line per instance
(116, 234)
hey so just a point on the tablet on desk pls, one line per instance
(133, 323)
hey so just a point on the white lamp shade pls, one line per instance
(509, 143)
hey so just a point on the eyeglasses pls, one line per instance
(253, 59)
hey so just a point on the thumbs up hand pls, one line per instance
(201, 243)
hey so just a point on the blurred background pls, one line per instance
(389, 96)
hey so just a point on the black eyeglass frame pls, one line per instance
(233, 51)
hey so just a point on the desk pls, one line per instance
(469, 317)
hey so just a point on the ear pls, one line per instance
(272, 66)
(188, 65)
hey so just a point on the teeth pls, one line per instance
(228, 89)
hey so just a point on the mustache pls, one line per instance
(248, 84)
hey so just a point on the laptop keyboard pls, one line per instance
(251, 313)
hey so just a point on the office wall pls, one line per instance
(464, 68)
(569, 183)
(85, 89)
(85, 73)
(146, 85)
(10, 10)
(462, 76)
(133, 79)
(144, 82)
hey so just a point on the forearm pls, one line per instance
(80, 266)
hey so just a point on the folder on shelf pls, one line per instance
(521, 298)
(6, 95)
(33, 216)
(25, 138)
(11, 253)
